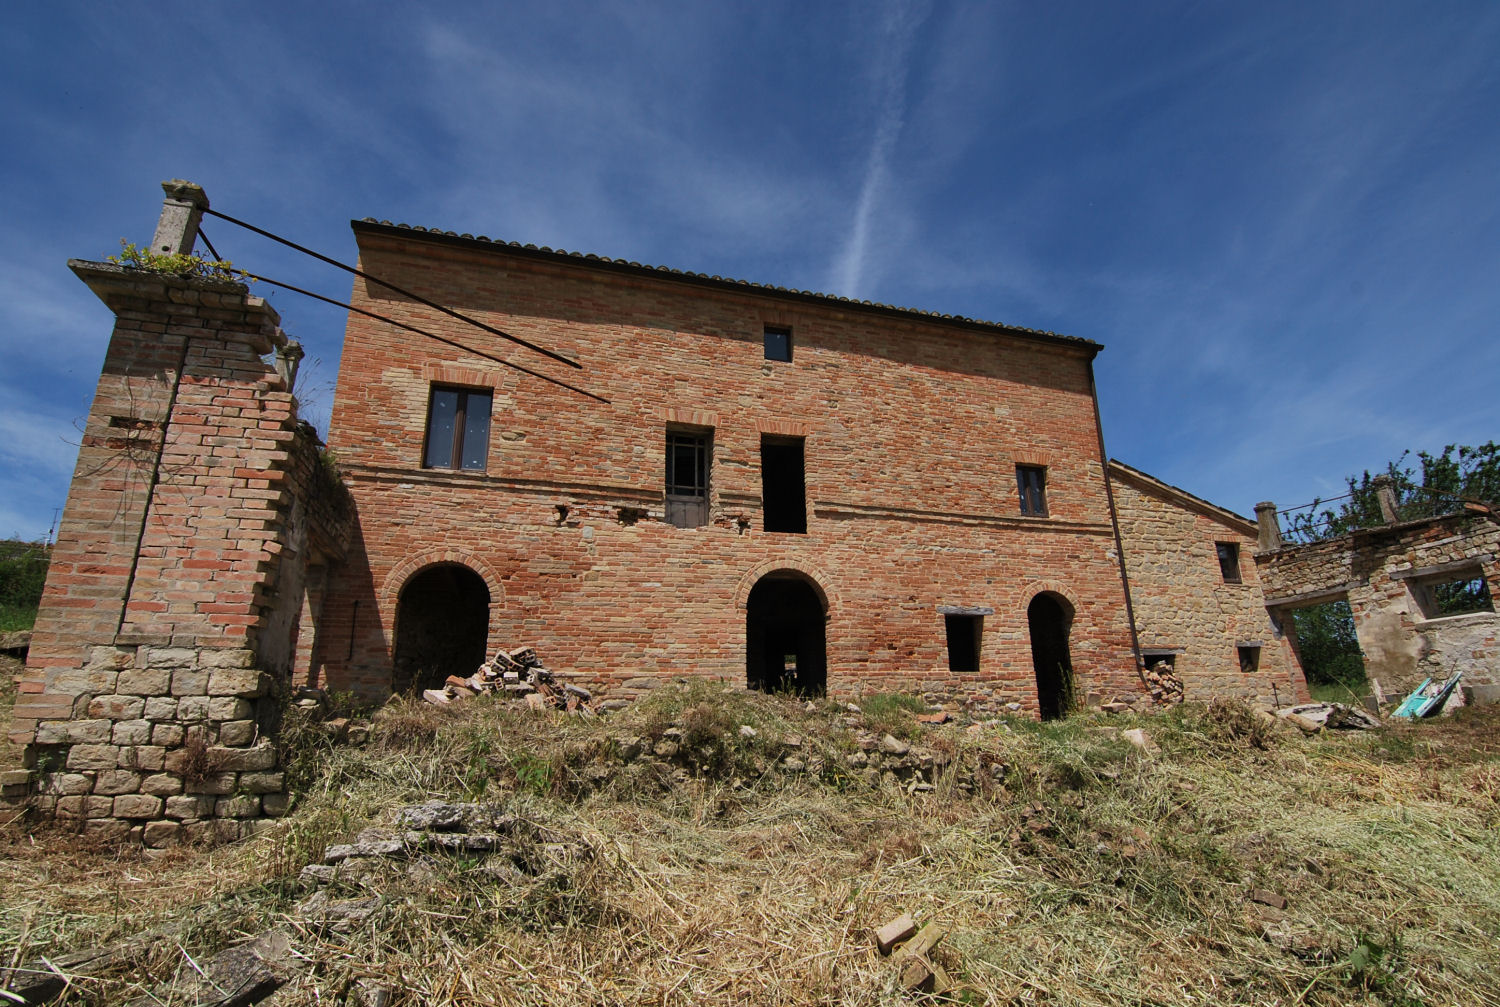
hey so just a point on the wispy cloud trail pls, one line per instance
(892, 54)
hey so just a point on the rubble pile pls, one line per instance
(1164, 686)
(519, 675)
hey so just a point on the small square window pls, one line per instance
(778, 343)
(689, 456)
(1249, 657)
(1031, 480)
(1229, 561)
(965, 634)
(458, 429)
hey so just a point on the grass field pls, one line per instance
(1078, 871)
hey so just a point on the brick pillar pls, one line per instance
(1385, 492)
(146, 701)
(181, 212)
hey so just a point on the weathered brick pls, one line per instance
(161, 785)
(243, 759)
(247, 683)
(276, 805)
(159, 834)
(237, 733)
(173, 659)
(117, 781)
(66, 784)
(215, 783)
(74, 732)
(145, 682)
(229, 708)
(189, 682)
(93, 757)
(137, 806)
(240, 806)
(228, 659)
(117, 707)
(132, 732)
(168, 735)
(161, 708)
(189, 806)
(262, 783)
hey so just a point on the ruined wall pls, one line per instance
(1383, 572)
(1183, 605)
(145, 705)
(913, 430)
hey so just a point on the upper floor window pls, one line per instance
(458, 429)
(783, 484)
(1032, 483)
(778, 343)
(1229, 561)
(688, 459)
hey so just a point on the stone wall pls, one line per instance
(913, 428)
(1383, 573)
(180, 571)
(1184, 607)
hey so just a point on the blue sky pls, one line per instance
(1279, 218)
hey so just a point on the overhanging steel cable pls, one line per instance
(412, 328)
(391, 286)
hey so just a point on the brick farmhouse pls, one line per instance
(775, 488)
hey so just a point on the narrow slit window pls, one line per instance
(1032, 482)
(689, 457)
(783, 484)
(458, 429)
(778, 343)
(965, 636)
(1229, 561)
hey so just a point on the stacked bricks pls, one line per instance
(913, 428)
(1181, 601)
(1380, 571)
(177, 576)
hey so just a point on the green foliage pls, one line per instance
(23, 571)
(1444, 481)
(1327, 646)
(134, 256)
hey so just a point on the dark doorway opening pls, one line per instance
(1050, 620)
(442, 624)
(965, 635)
(785, 637)
(783, 484)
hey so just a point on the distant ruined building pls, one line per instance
(776, 488)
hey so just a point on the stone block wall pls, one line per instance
(152, 684)
(1184, 608)
(1382, 573)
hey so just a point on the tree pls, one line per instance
(23, 571)
(1443, 484)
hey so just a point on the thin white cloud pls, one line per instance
(892, 57)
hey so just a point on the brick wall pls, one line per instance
(145, 704)
(1182, 603)
(913, 430)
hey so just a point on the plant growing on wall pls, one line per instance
(177, 264)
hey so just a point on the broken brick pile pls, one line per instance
(519, 674)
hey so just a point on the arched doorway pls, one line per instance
(1050, 618)
(785, 638)
(442, 625)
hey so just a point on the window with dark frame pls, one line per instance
(1031, 480)
(778, 343)
(965, 636)
(458, 429)
(1249, 657)
(1229, 561)
(783, 484)
(689, 457)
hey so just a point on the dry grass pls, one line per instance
(1091, 877)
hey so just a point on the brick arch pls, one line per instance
(816, 578)
(390, 588)
(1064, 593)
